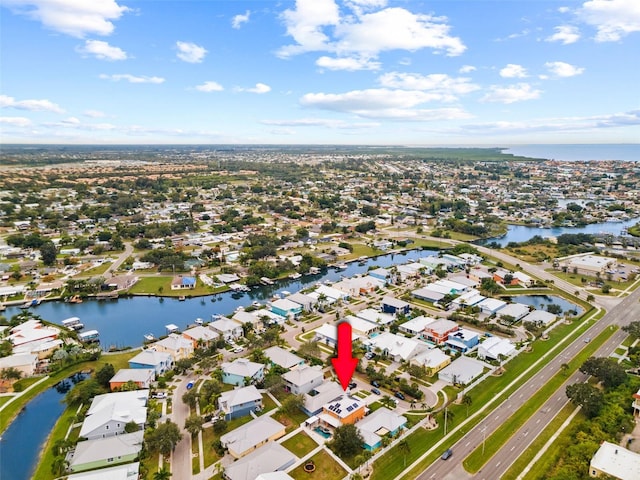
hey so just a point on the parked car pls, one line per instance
(447, 454)
(399, 395)
(376, 391)
(375, 383)
(238, 350)
(369, 355)
(189, 385)
(159, 395)
(353, 385)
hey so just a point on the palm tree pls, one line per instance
(162, 474)
(467, 400)
(405, 448)
(386, 401)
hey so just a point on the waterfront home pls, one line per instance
(142, 377)
(463, 340)
(183, 282)
(356, 286)
(283, 358)
(286, 308)
(433, 360)
(381, 274)
(468, 299)
(395, 306)
(271, 457)
(32, 332)
(229, 329)
(375, 316)
(381, 423)
(331, 293)
(416, 325)
(130, 471)
(200, 336)
(515, 310)
(303, 379)
(396, 347)
(235, 373)
(158, 361)
(104, 452)
(491, 305)
(175, 345)
(307, 302)
(110, 412)
(319, 396)
(461, 371)
(42, 349)
(438, 332)
(540, 317)
(495, 348)
(25, 363)
(248, 437)
(345, 410)
(410, 270)
(268, 317)
(613, 461)
(252, 318)
(239, 402)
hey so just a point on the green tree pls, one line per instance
(292, 404)
(607, 371)
(346, 441)
(164, 438)
(467, 400)
(220, 427)
(105, 374)
(590, 398)
(190, 397)
(162, 474)
(10, 373)
(84, 391)
(48, 253)
(633, 329)
(193, 424)
(131, 427)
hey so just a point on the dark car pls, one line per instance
(353, 385)
(376, 391)
(447, 454)
(399, 395)
(375, 383)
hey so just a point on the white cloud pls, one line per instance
(511, 93)
(316, 25)
(94, 114)
(448, 87)
(613, 19)
(467, 69)
(32, 105)
(347, 63)
(513, 70)
(321, 122)
(562, 69)
(210, 86)
(190, 52)
(383, 103)
(16, 121)
(563, 9)
(72, 17)
(238, 20)
(102, 50)
(71, 121)
(566, 34)
(132, 78)
(259, 89)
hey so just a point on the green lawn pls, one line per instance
(396, 460)
(5, 399)
(268, 404)
(326, 469)
(290, 420)
(161, 285)
(209, 436)
(300, 444)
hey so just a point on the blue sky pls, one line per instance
(449, 72)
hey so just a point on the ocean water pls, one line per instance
(574, 152)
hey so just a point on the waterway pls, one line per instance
(520, 233)
(540, 302)
(576, 152)
(124, 322)
(22, 441)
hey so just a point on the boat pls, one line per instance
(75, 299)
(266, 281)
(30, 303)
(236, 287)
(89, 336)
(149, 337)
(256, 304)
(342, 266)
(294, 276)
(199, 321)
(181, 298)
(72, 323)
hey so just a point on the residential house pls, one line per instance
(438, 332)
(248, 437)
(500, 275)
(110, 412)
(322, 394)
(274, 476)
(381, 274)
(491, 306)
(201, 336)
(268, 317)
(356, 286)
(158, 361)
(303, 300)
(395, 306)
(175, 345)
(331, 293)
(375, 316)
(103, 452)
(286, 308)
(271, 457)
(614, 461)
(251, 318)
(427, 294)
(25, 363)
(410, 270)
(303, 379)
(345, 410)
(468, 299)
(142, 377)
(478, 274)
(396, 347)
(130, 471)
(239, 402)
(283, 358)
(229, 329)
(236, 372)
(183, 282)
(461, 371)
(32, 333)
(463, 340)
(540, 317)
(381, 423)
(495, 348)
(416, 325)
(328, 333)
(433, 360)
(636, 403)
(360, 326)
(516, 310)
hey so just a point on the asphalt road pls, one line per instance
(622, 314)
(181, 457)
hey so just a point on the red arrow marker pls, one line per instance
(344, 364)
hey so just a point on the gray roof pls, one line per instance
(268, 458)
(239, 396)
(282, 357)
(251, 434)
(121, 472)
(104, 448)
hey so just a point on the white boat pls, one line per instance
(199, 321)
(149, 337)
(295, 275)
(72, 323)
(89, 336)
(266, 281)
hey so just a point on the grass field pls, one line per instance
(300, 444)
(326, 469)
(161, 285)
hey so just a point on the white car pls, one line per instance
(238, 350)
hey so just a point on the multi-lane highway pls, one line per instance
(627, 310)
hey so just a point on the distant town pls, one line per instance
(482, 290)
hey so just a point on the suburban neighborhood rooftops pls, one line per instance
(104, 448)
(303, 375)
(121, 472)
(268, 458)
(239, 396)
(282, 357)
(614, 460)
(251, 434)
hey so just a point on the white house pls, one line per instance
(375, 316)
(110, 412)
(495, 347)
(229, 329)
(397, 347)
(283, 358)
(416, 325)
(303, 379)
(271, 457)
(461, 371)
(515, 310)
(491, 305)
(540, 317)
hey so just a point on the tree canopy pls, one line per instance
(347, 441)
